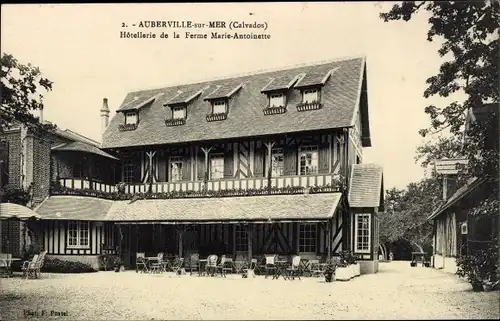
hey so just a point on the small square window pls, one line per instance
(310, 95)
(178, 112)
(219, 107)
(276, 100)
(131, 118)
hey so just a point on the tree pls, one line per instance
(21, 88)
(407, 212)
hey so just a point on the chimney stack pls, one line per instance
(41, 116)
(104, 115)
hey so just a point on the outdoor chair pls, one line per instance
(241, 261)
(194, 263)
(269, 266)
(32, 268)
(211, 264)
(158, 266)
(252, 266)
(140, 262)
(222, 267)
(5, 262)
(293, 269)
(178, 265)
(315, 268)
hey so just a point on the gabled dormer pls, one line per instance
(131, 111)
(310, 87)
(178, 107)
(220, 99)
(277, 91)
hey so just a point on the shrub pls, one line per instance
(479, 265)
(60, 266)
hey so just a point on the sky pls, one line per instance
(79, 48)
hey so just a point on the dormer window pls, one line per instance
(310, 95)
(276, 100)
(131, 117)
(179, 112)
(219, 107)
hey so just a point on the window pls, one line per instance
(78, 234)
(362, 233)
(277, 162)
(276, 100)
(178, 112)
(128, 171)
(219, 107)
(175, 169)
(310, 95)
(131, 118)
(241, 238)
(308, 160)
(216, 167)
(307, 238)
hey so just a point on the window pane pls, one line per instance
(217, 167)
(130, 118)
(179, 112)
(175, 170)
(219, 107)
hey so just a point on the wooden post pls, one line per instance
(181, 231)
(269, 163)
(206, 151)
(249, 239)
(329, 235)
(150, 154)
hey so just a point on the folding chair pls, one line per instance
(178, 265)
(140, 263)
(251, 267)
(269, 266)
(223, 266)
(293, 269)
(211, 264)
(315, 268)
(158, 266)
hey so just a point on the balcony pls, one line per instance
(309, 106)
(321, 183)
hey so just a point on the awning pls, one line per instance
(258, 209)
(463, 191)
(83, 147)
(366, 186)
(16, 211)
(66, 207)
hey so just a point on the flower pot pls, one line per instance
(328, 277)
(427, 264)
(413, 264)
(477, 286)
(344, 273)
(356, 269)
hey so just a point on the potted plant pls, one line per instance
(118, 264)
(343, 272)
(329, 272)
(413, 263)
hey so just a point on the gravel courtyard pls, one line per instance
(396, 292)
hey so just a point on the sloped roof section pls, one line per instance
(74, 208)
(12, 210)
(83, 147)
(471, 185)
(139, 101)
(280, 83)
(315, 78)
(245, 119)
(183, 97)
(225, 90)
(250, 208)
(366, 186)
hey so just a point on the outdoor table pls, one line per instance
(202, 267)
(240, 265)
(8, 267)
(418, 256)
(149, 260)
(280, 270)
(229, 261)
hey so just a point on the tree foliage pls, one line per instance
(22, 88)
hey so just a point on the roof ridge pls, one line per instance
(256, 72)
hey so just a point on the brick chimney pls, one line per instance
(104, 115)
(41, 116)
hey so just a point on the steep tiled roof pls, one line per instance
(138, 101)
(182, 97)
(82, 147)
(313, 78)
(11, 210)
(366, 186)
(74, 208)
(261, 208)
(280, 83)
(245, 118)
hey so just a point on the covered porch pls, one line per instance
(307, 225)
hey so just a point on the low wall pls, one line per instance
(92, 260)
(368, 267)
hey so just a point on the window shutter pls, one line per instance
(162, 168)
(323, 158)
(186, 168)
(201, 166)
(259, 157)
(290, 160)
(137, 168)
(4, 162)
(228, 163)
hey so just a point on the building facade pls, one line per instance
(269, 162)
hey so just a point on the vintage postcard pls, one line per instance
(301, 160)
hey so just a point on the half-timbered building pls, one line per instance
(268, 162)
